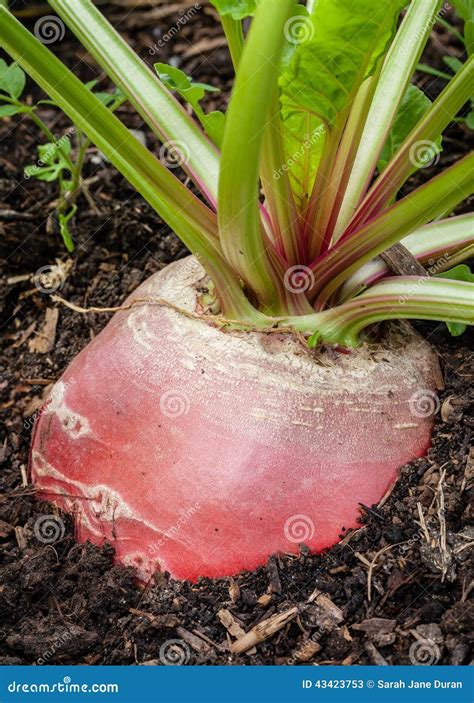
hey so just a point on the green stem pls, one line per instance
(438, 246)
(430, 71)
(426, 203)
(278, 194)
(396, 74)
(432, 124)
(235, 38)
(408, 297)
(240, 227)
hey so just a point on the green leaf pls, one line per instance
(334, 49)
(3, 70)
(337, 50)
(454, 64)
(52, 162)
(470, 119)
(177, 81)
(465, 8)
(415, 104)
(237, 9)
(458, 273)
(304, 137)
(9, 110)
(12, 79)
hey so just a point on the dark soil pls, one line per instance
(67, 603)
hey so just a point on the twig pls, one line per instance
(423, 522)
(442, 525)
(372, 566)
(263, 631)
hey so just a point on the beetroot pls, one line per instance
(201, 451)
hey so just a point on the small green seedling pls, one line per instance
(58, 160)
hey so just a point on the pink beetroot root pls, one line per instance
(202, 452)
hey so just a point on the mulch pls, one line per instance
(396, 591)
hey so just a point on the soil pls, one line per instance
(395, 591)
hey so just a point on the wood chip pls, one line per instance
(306, 651)
(43, 342)
(402, 262)
(322, 612)
(194, 641)
(233, 626)
(263, 631)
(234, 591)
(157, 621)
(375, 655)
(273, 575)
(20, 538)
(264, 600)
(24, 336)
(380, 631)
